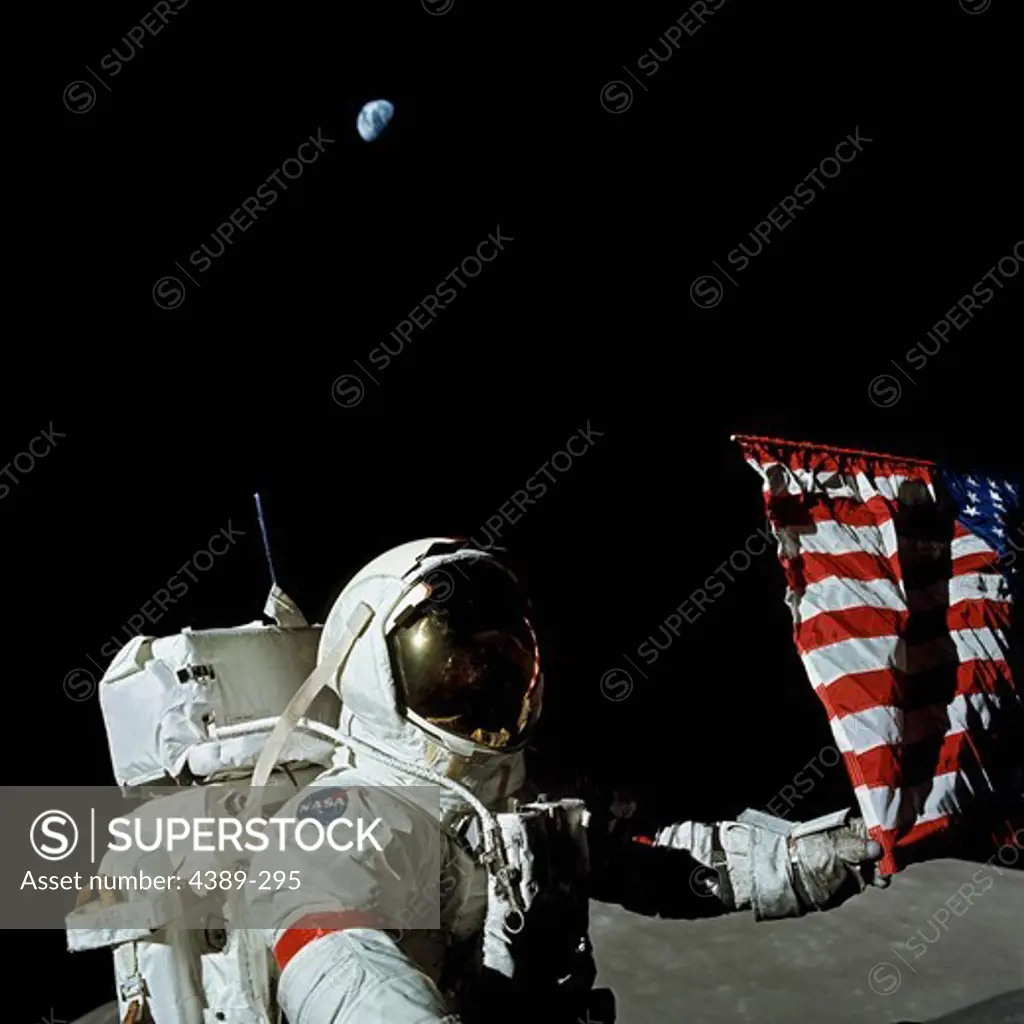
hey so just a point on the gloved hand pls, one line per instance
(794, 868)
(778, 868)
(832, 865)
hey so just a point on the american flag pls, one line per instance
(900, 580)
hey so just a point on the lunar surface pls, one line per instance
(927, 949)
(917, 951)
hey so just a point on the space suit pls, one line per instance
(434, 656)
(432, 651)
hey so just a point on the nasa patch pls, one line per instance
(325, 805)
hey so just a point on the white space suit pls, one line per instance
(441, 681)
(433, 654)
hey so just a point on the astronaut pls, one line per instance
(432, 651)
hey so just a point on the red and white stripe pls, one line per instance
(912, 676)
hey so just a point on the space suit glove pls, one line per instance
(833, 863)
(777, 868)
(794, 869)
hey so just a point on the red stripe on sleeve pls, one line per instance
(312, 926)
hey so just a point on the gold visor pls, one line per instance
(465, 656)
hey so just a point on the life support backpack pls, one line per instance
(204, 701)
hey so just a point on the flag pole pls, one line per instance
(827, 448)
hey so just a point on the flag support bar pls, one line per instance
(827, 448)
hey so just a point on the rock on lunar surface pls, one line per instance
(374, 118)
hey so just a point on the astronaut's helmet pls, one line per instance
(464, 655)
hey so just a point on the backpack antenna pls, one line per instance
(266, 542)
